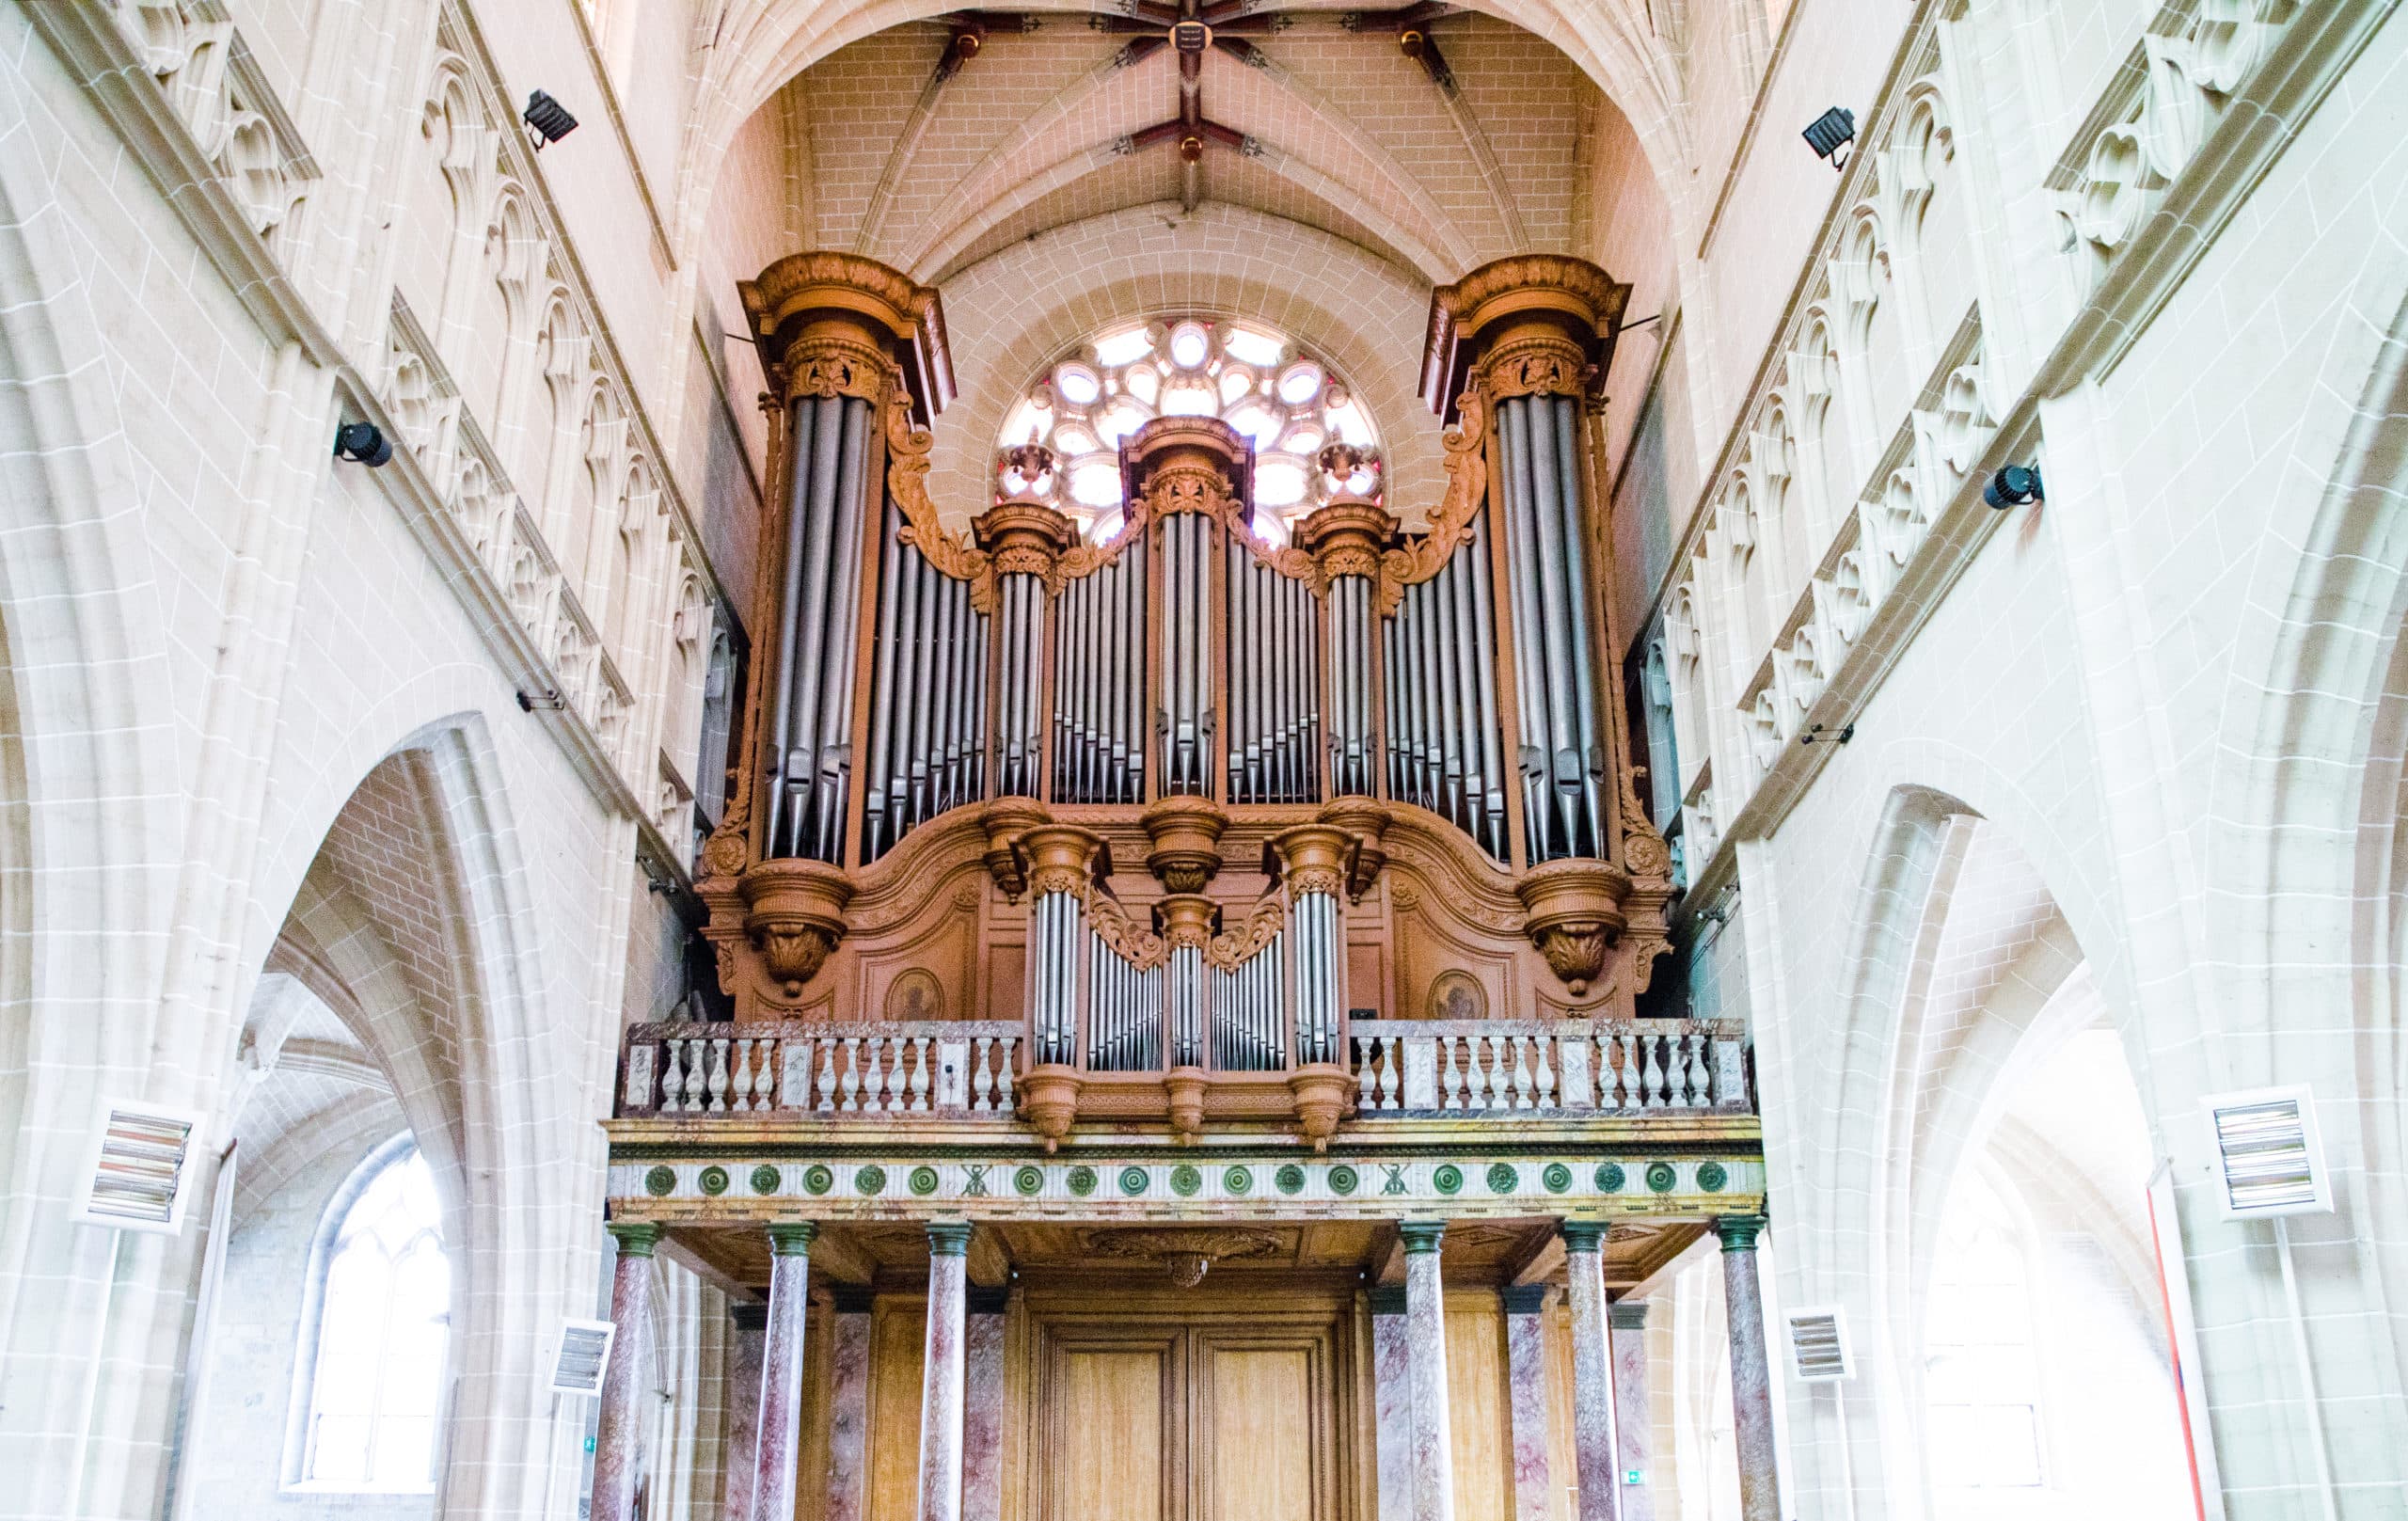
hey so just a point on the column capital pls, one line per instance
(636, 1238)
(792, 1238)
(1421, 1235)
(1583, 1235)
(1738, 1231)
(949, 1238)
(1627, 1314)
(1387, 1299)
(753, 1316)
(829, 322)
(1312, 858)
(1527, 1298)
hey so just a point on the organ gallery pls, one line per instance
(1198, 916)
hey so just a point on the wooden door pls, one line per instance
(1212, 1421)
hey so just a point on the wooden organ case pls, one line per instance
(1171, 812)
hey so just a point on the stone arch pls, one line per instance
(1361, 314)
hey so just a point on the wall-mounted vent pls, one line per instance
(139, 1169)
(584, 1352)
(2270, 1159)
(1818, 1350)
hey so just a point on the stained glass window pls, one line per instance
(1286, 401)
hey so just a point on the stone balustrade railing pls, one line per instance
(891, 1070)
(1571, 1065)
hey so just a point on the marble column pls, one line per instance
(619, 1427)
(1634, 1421)
(1425, 1318)
(941, 1371)
(1750, 1373)
(773, 1475)
(1592, 1371)
(849, 1405)
(1392, 1404)
(982, 1406)
(745, 1333)
(1528, 1381)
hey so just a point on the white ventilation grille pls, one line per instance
(1818, 1348)
(139, 1167)
(584, 1352)
(2269, 1157)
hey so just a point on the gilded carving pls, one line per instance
(1139, 947)
(1325, 879)
(1450, 524)
(830, 366)
(1233, 948)
(1536, 364)
(906, 482)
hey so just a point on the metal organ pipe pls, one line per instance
(1563, 755)
(927, 695)
(811, 725)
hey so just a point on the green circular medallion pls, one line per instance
(817, 1179)
(1237, 1180)
(1343, 1179)
(1502, 1178)
(1185, 1181)
(1029, 1179)
(1661, 1177)
(712, 1180)
(1611, 1177)
(923, 1181)
(1557, 1177)
(1083, 1180)
(1711, 1175)
(1449, 1178)
(1290, 1179)
(765, 1178)
(661, 1181)
(1132, 1180)
(870, 1180)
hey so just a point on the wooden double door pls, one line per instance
(1237, 1416)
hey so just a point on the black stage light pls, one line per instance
(363, 442)
(1830, 133)
(550, 119)
(2018, 485)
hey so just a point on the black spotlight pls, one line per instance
(2018, 485)
(550, 119)
(1830, 132)
(364, 443)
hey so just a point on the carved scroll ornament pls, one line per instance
(1233, 948)
(1141, 948)
(906, 482)
(1450, 525)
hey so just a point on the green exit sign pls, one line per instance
(1634, 1476)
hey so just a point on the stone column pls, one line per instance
(942, 1371)
(848, 1406)
(1425, 1321)
(1392, 1404)
(618, 1431)
(1592, 1371)
(1528, 1381)
(1634, 1421)
(746, 1325)
(982, 1407)
(773, 1475)
(1751, 1373)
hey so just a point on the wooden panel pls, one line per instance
(1562, 1458)
(1109, 1456)
(1481, 1407)
(897, 1352)
(1262, 1420)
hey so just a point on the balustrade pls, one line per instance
(1488, 1066)
(890, 1069)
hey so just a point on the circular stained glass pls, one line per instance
(1288, 403)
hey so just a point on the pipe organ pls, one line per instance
(1264, 727)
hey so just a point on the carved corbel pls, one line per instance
(1367, 822)
(1572, 912)
(1005, 820)
(1185, 834)
(795, 915)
